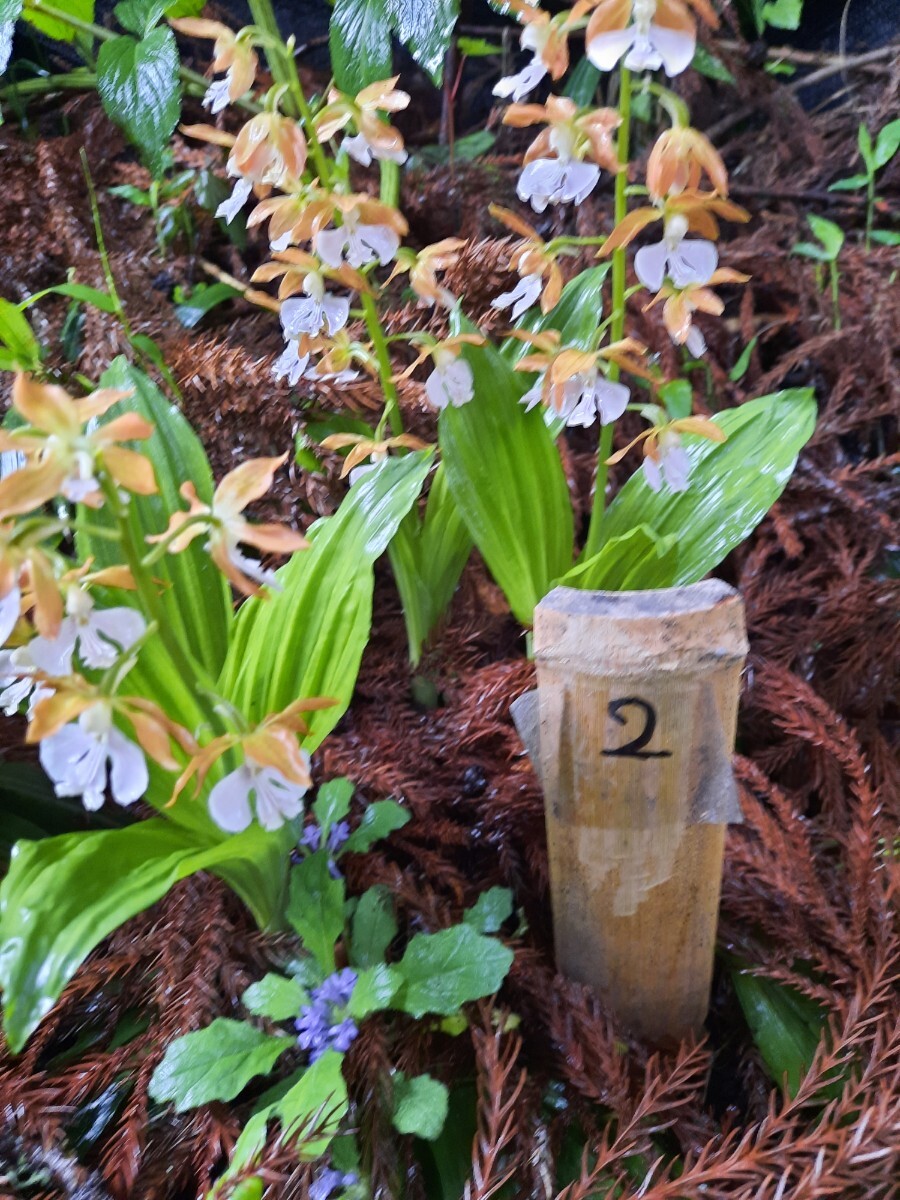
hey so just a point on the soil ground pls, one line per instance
(810, 880)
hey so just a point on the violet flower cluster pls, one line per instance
(323, 1024)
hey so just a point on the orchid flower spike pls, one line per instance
(227, 528)
(649, 33)
(555, 171)
(63, 460)
(571, 384)
(373, 137)
(233, 53)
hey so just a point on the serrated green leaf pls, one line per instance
(374, 927)
(62, 896)
(20, 349)
(332, 804)
(425, 27)
(490, 910)
(308, 639)
(375, 988)
(54, 27)
(427, 558)
(275, 997)
(887, 144)
(316, 908)
(215, 1063)
(378, 821)
(505, 474)
(139, 16)
(420, 1105)
(733, 484)
(634, 561)
(442, 971)
(140, 89)
(360, 41)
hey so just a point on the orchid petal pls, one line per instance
(229, 801)
(650, 265)
(129, 777)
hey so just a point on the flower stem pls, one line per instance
(617, 327)
(391, 414)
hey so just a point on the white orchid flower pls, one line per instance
(556, 181)
(669, 463)
(230, 208)
(520, 298)
(360, 148)
(275, 798)
(661, 33)
(79, 757)
(356, 243)
(10, 608)
(315, 311)
(99, 635)
(451, 382)
(685, 262)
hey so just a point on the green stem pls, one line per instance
(101, 246)
(617, 327)
(835, 296)
(390, 183)
(870, 210)
(79, 81)
(391, 414)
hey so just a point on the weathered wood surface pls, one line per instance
(637, 705)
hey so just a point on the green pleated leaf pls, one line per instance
(505, 474)
(140, 89)
(62, 896)
(637, 560)
(787, 1027)
(733, 484)
(308, 639)
(427, 557)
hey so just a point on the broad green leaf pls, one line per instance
(374, 927)
(850, 184)
(310, 1106)
(678, 397)
(581, 86)
(75, 291)
(375, 988)
(139, 16)
(427, 558)
(308, 639)
(420, 1105)
(19, 348)
(55, 27)
(505, 474)
(829, 234)
(733, 484)
(332, 804)
(786, 1026)
(62, 896)
(712, 67)
(215, 1063)
(378, 821)
(203, 299)
(490, 910)
(194, 595)
(739, 370)
(887, 144)
(633, 562)
(139, 85)
(445, 970)
(783, 14)
(886, 237)
(316, 908)
(425, 27)
(274, 996)
(360, 40)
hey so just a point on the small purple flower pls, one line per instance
(328, 1181)
(311, 837)
(337, 835)
(322, 1024)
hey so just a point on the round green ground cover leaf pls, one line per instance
(420, 1106)
(445, 970)
(733, 484)
(140, 89)
(52, 26)
(215, 1063)
(275, 997)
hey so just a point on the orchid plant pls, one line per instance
(501, 403)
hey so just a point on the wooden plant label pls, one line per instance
(636, 710)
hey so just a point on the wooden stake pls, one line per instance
(637, 705)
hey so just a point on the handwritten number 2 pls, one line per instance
(635, 748)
